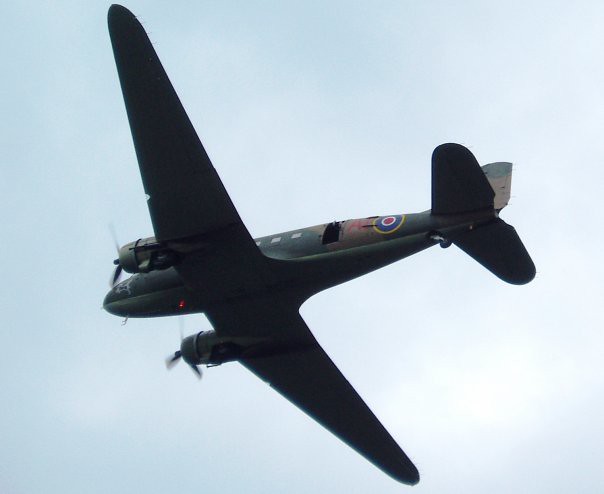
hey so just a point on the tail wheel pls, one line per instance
(437, 237)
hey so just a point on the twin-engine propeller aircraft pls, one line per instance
(202, 259)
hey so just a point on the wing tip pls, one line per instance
(408, 474)
(116, 11)
(415, 479)
(118, 15)
(398, 466)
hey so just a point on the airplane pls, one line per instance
(202, 259)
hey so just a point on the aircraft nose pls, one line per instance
(114, 304)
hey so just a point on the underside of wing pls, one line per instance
(189, 206)
(304, 374)
(185, 195)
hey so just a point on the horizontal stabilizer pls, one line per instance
(458, 183)
(498, 248)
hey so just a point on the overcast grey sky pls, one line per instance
(310, 111)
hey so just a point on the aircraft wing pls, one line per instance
(185, 195)
(303, 373)
(187, 201)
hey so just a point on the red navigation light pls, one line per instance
(181, 304)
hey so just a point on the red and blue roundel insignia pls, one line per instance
(388, 224)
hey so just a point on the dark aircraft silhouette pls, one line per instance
(203, 259)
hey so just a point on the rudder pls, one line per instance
(499, 176)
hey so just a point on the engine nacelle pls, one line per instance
(209, 349)
(145, 255)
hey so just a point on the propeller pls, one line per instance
(196, 370)
(118, 267)
(174, 359)
(116, 273)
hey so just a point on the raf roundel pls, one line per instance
(388, 224)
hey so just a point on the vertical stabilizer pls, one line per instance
(458, 183)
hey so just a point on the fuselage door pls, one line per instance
(332, 232)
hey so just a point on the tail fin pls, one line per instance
(460, 186)
(458, 183)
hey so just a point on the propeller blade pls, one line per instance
(118, 269)
(116, 276)
(114, 237)
(196, 370)
(173, 360)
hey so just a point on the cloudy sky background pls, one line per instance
(310, 113)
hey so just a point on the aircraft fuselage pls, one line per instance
(312, 258)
